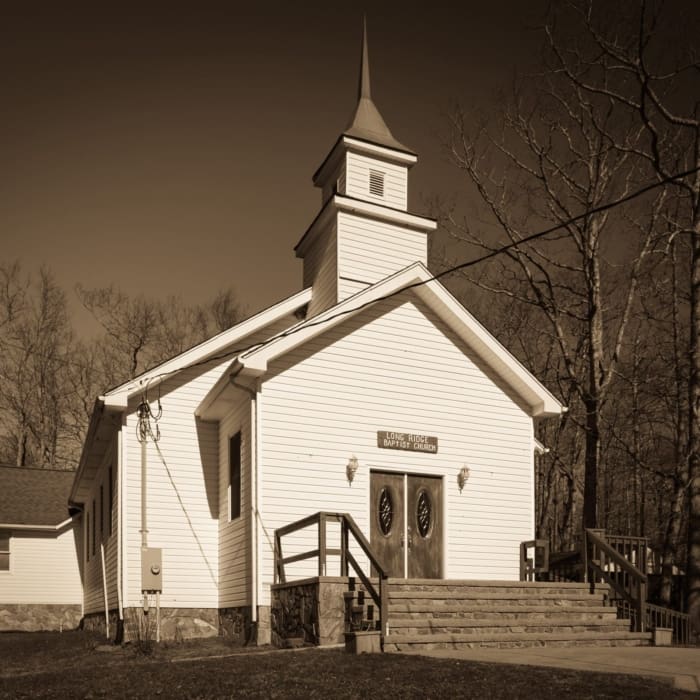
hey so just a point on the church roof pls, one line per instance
(416, 277)
(367, 123)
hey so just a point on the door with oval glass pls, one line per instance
(406, 523)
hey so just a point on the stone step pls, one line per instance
(499, 597)
(410, 611)
(468, 628)
(404, 642)
(528, 587)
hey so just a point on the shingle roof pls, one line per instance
(33, 496)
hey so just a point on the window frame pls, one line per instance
(110, 496)
(8, 551)
(235, 476)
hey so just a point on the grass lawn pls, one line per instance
(72, 665)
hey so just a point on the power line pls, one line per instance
(461, 266)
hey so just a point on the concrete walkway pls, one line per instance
(678, 666)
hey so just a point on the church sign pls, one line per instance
(407, 441)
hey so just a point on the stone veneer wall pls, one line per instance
(236, 624)
(39, 618)
(310, 611)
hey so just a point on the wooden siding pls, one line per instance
(321, 271)
(369, 251)
(92, 566)
(395, 180)
(44, 568)
(183, 490)
(234, 536)
(397, 367)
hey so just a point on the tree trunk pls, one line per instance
(693, 561)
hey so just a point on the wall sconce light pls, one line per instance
(462, 477)
(351, 469)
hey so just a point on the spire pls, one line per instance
(368, 124)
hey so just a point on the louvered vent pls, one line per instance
(376, 183)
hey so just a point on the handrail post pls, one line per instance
(641, 605)
(344, 544)
(383, 606)
(584, 555)
(321, 544)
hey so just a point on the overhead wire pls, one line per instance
(413, 285)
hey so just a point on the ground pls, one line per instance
(78, 665)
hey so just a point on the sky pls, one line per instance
(169, 149)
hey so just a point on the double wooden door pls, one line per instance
(406, 524)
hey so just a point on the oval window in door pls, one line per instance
(424, 513)
(385, 511)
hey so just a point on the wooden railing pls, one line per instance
(348, 528)
(603, 562)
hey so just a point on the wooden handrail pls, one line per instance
(631, 586)
(348, 526)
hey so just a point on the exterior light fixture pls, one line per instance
(351, 469)
(462, 477)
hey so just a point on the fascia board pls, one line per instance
(373, 149)
(209, 347)
(507, 366)
(377, 211)
(540, 401)
(255, 362)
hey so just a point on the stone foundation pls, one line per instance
(95, 622)
(176, 624)
(236, 624)
(310, 611)
(39, 618)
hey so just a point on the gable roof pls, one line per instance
(207, 349)
(532, 393)
(34, 496)
(114, 401)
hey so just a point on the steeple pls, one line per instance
(367, 124)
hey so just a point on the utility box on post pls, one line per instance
(152, 569)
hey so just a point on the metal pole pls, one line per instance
(144, 517)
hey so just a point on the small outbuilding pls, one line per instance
(40, 570)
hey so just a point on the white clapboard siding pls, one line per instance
(369, 250)
(358, 167)
(183, 494)
(234, 536)
(44, 568)
(321, 271)
(397, 367)
(92, 564)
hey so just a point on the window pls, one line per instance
(110, 502)
(376, 183)
(234, 463)
(4, 551)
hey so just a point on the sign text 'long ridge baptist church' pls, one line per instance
(407, 441)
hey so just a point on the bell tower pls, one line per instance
(364, 231)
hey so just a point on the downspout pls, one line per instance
(253, 501)
(121, 454)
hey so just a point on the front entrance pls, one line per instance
(406, 523)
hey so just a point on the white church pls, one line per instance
(371, 392)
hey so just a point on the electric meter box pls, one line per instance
(152, 569)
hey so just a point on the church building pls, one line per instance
(370, 392)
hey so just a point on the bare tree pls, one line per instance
(557, 153)
(649, 68)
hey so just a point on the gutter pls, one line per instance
(39, 528)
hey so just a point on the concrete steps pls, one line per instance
(434, 614)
